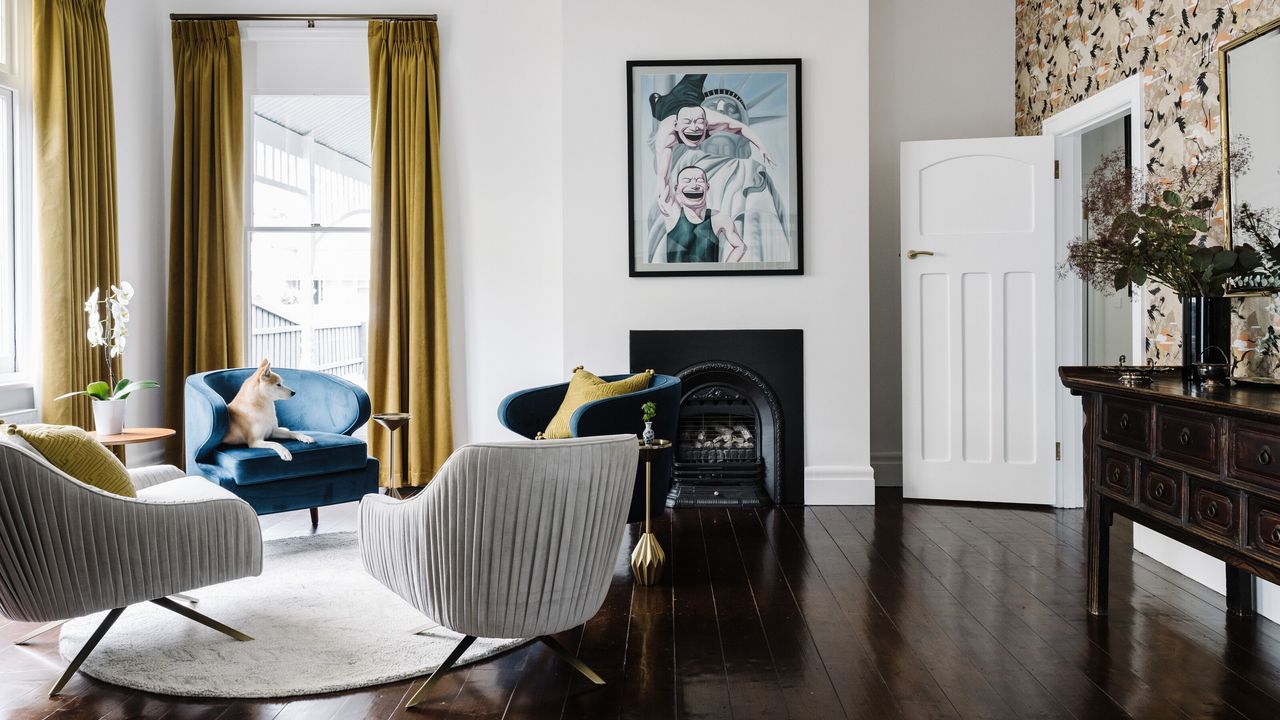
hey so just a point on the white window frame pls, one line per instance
(250, 35)
(16, 388)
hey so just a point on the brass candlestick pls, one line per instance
(392, 422)
(648, 559)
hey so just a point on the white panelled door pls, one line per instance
(978, 320)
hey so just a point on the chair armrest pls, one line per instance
(205, 422)
(622, 414)
(146, 477)
(393, 534)
(527, 412)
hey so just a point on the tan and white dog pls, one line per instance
(253, 413)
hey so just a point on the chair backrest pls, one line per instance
(522, 537)
(46, 517)
(324, 403)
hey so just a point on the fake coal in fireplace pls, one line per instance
(727, 449)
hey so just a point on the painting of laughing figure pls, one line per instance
(715, 167)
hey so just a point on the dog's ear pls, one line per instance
(263, 368)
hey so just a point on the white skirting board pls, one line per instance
(1204, 569)
(839, 485)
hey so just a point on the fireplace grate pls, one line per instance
(710, 437)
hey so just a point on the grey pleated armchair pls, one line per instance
(510, 540)
(68, 549)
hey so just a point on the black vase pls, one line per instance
(1206, 323)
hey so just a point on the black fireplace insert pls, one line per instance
(739, 438)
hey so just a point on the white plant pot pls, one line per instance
(108, 416)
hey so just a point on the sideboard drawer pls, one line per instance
(1190, 438)
(1214, 509)
(1264, 527)
(1160, 489)
(1126, 423)
(1116, 473)
(1254, 453)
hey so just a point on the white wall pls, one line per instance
(500, 160)
(1204, 569)
(142, 194)
(939, 70)
(829, 302)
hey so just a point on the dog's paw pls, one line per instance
(304, 438)
(284, 454)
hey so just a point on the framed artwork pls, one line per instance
(714, 159)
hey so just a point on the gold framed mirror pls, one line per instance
(1249, 99)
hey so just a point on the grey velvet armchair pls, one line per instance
(68, 549)
(510, 540)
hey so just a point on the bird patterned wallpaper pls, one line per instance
(1067, 51)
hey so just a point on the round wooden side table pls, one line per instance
(132, 436)
(648, 559)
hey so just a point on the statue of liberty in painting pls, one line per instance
(714, 195)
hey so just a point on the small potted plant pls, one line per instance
(649, 411)
(108, 333)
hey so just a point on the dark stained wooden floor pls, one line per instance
(904, 610)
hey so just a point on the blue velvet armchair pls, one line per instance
(336, 468)
(527, 412)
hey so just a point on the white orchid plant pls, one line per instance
(109, 332)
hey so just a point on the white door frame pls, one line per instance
(1066, 127)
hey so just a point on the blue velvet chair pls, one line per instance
(336, 468)
(527, 412)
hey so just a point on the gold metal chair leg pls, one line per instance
(201, 618)
(572, 659)
(460, 648)
(39, 631)
(89, 645)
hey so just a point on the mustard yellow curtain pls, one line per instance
(408, 335)
(75, 165)
(206, 229)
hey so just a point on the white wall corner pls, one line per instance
(839, 485)
(887, 465)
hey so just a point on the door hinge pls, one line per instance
(1057, 170)
(1057, 450)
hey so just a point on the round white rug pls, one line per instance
(320, 624)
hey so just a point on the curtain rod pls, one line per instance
(309, 18)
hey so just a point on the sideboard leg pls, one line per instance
(1098, 537)
(1241, 592)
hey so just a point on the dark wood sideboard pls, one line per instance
(1200, 465)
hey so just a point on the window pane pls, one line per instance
(8, 258)
(311, 160)
(310, 289)
(311, 301)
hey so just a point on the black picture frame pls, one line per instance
(642, 193)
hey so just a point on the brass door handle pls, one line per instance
(913, 254)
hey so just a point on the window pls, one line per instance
(15, 187)
(309, 233)
(8, 238)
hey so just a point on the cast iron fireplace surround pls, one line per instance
(741, 436)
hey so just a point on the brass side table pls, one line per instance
(648, 559)
(393, 422)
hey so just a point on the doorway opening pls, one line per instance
(1108, 314)
(1090, 325)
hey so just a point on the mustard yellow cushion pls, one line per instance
(72, 451)
(585, 387)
